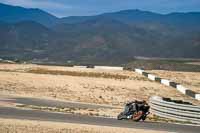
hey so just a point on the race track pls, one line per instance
(51, 102)
(14, 113)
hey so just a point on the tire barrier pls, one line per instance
(90, 66)
(101, 67)
(166, 82)
(175, 110)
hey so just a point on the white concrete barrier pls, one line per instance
(197, 96)
(181, 89)
(165, 82)
(108, 68)
(140, 71)
(80, 66)
(151, 77)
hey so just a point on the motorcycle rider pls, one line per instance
(133, 105)
(135, 110)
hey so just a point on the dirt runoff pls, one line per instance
(21, 80)
(191, 80)
(25, 126)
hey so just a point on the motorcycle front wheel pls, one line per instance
(120, 116)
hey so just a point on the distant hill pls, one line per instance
(107, 38)
(140, 17)
(24, 39)
(14, 14)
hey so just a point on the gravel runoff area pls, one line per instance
(60, 83)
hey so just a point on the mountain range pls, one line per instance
(33, 34)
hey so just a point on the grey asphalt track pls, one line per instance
(52, 103)
(8, 112)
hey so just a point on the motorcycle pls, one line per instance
(136, 111)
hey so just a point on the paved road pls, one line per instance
(8, 112)
(51, 103)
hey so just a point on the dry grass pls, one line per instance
(81, 74)
(70, 71)
(24, 126)
(193, 63)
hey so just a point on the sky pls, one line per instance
(63, 8)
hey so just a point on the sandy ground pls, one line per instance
(24, 126)
(25, 67)
(190, 80)
(83, 89)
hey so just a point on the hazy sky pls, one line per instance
(62, 8)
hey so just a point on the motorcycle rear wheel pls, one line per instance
(137, 116)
